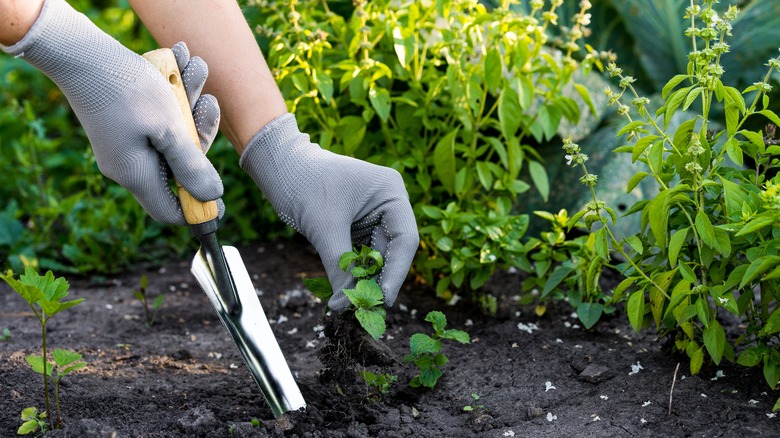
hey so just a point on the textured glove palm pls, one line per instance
(335, 201)
(126, 108)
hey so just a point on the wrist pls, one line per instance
(88, 65)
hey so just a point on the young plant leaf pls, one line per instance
(320, 287)
(420, 343)
(636, 310)
(372, 320)
(715, 341)
(456, 335)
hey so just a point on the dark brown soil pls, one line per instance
(535, 377)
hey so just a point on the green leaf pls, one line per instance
(722, 242)
(658, 214)
(36, 362)
(635, 244)
(772, 324)
(444, 160)
(351, 130)
(751, 356)
(65, 357)
(635, 180)
(27, 427)
(380, 101)
(485, 175)
(158, 302)
(510, 114)
(456, 335)
(687, 273)
(757, 268)
(636, 309)
(704, 228)
(539, 177)
(715, 341)
(734, 196)
(367, 294)
(372, 320)
(602, 244)
(771, 374)
(420, 343)
(29, 413)
(558, 274)
(493, 69)
(429, 377)
(671, 84)
(675, 245)
(320, 287)
(756, 224)
(589, 313)
(437, 319)
(697, 360)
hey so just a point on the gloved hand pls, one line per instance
(126, 108)
(335, 201)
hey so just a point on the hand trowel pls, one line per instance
(221, 273)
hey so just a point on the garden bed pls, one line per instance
(534, 376)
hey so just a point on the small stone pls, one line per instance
(534, 412)
(594, 373)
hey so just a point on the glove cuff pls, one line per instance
(283, 162)
(89, 66)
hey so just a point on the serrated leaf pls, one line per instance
(65, 357)
(320, 287)
(36, 362)
(456, 335)
(437, 319)
(429, 377)
(420, 343)
(372, 320)
(366, 294)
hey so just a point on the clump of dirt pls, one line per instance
(347, 345)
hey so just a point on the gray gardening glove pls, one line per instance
(127, 109)
(335, 201)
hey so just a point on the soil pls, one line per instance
(535, 376)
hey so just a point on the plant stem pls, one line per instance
(45, 368)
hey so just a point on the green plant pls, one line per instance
(426, 350)
(33, 421)
(710, 238)
(65, 362)
(367, 297)
(6, 334)
(456, 96)
(45, 295)
(141, 294)
(474, 407)
(378, 383)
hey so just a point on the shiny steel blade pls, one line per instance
(251, 332)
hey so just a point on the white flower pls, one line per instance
(569, 158)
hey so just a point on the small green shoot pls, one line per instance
(425, 350)
(6, 335)
(378, 383)
(33, 421)
(474, 407)
(367, 297)
(65, 362)
(141, 294)
(45, 295)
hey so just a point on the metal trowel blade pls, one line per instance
(251, 332)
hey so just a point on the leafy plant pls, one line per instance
(367, 297)
(6, 334)
(474, 407)
(45, 295)
(141, 294)
(426, 350)
(378, 383)
(709, 238)
(65, 362)
(33, 421)
(456, 96)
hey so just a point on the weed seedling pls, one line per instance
(425, 350)
(366, 297)
(474, 407)
(44, 295)
(141, 294)
(65, 362)
(378, 383)
(6, 335)
(33, 421)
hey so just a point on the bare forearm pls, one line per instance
(16, 18)
(239, 77)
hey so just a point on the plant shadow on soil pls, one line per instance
(535, 376)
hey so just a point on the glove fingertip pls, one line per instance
(182, 54)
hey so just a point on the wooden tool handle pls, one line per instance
(195, 212)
